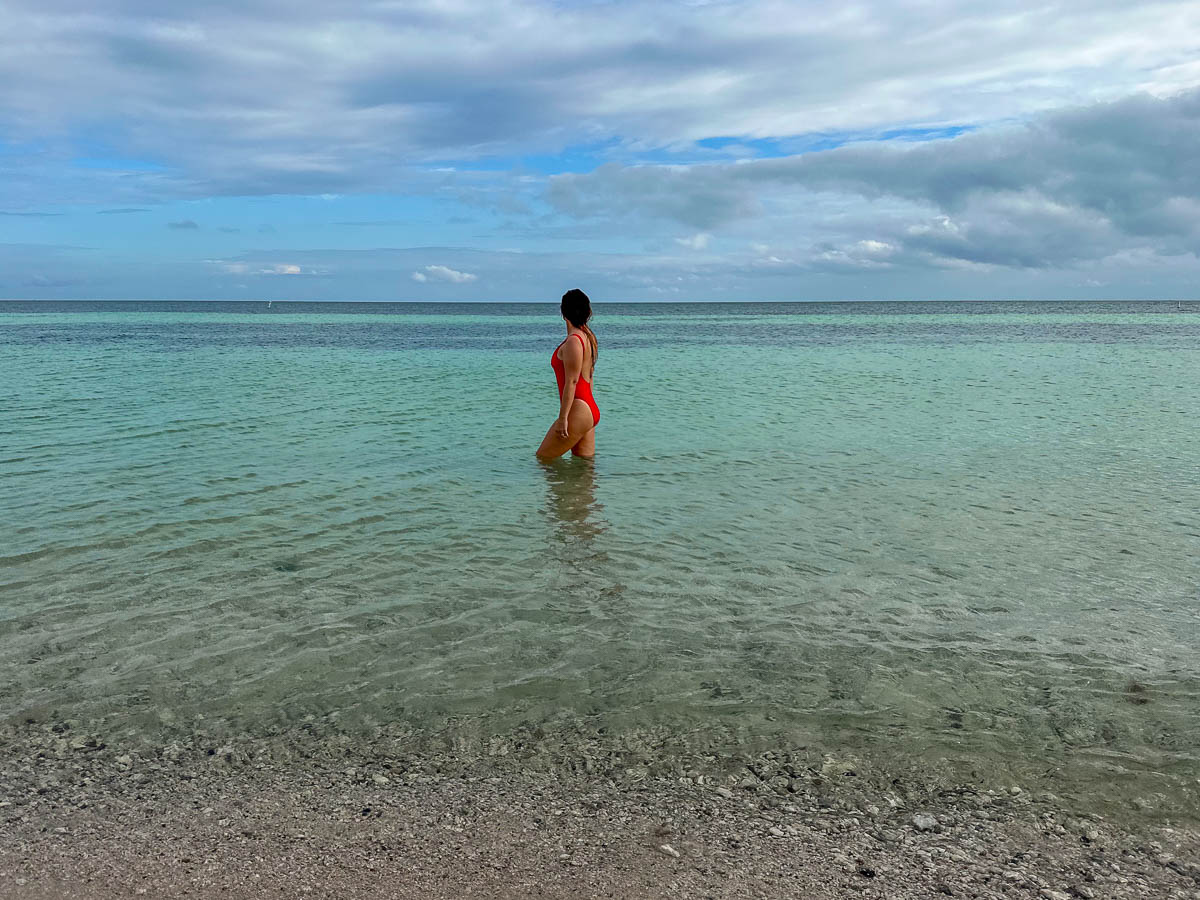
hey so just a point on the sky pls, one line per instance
(639, 149)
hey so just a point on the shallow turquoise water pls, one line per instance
(920, 530)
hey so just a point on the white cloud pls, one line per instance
(797, 274)
(698, 241)
(443, 273)
(244, 268)
(875, 248)
(227, 98)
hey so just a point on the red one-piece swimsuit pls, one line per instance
(583, 388)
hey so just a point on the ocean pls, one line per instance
(955, 535)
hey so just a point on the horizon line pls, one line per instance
(597, 302)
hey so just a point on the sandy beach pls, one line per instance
(324, 815)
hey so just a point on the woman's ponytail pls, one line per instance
(577, 309)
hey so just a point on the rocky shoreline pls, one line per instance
(318, 813)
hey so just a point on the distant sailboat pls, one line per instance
(269, 302)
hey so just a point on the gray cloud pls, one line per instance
(1072, 185)
(244, 99)
(183, 225)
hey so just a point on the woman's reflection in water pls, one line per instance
(571, 500)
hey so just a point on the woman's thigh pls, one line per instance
(586, 445)
(579, 423)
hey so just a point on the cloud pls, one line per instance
(30, 215)
(442, 273)
(229, 99)
(246, 268)
(1073, 185)
(382, 274)
(122, 211)
(226, 229)
(697, 241)
(183, 225)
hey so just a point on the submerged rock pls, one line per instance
(924, 822)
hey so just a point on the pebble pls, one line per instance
(380, 779)
(923, 822)
(776, 831)
(780, 784)
(725, 792)
(832, 766)
(1048, 894)
(669, 850)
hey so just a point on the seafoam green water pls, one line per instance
(911, 530)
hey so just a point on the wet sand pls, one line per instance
(335, 816)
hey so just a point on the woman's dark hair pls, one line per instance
(577, 309)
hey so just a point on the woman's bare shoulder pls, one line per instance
(572, 349)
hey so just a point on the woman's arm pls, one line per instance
(572, 356)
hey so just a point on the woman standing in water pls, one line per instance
(575, 428)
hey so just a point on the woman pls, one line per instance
(575, 428)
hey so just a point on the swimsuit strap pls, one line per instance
(569, 336)
(583, 344)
